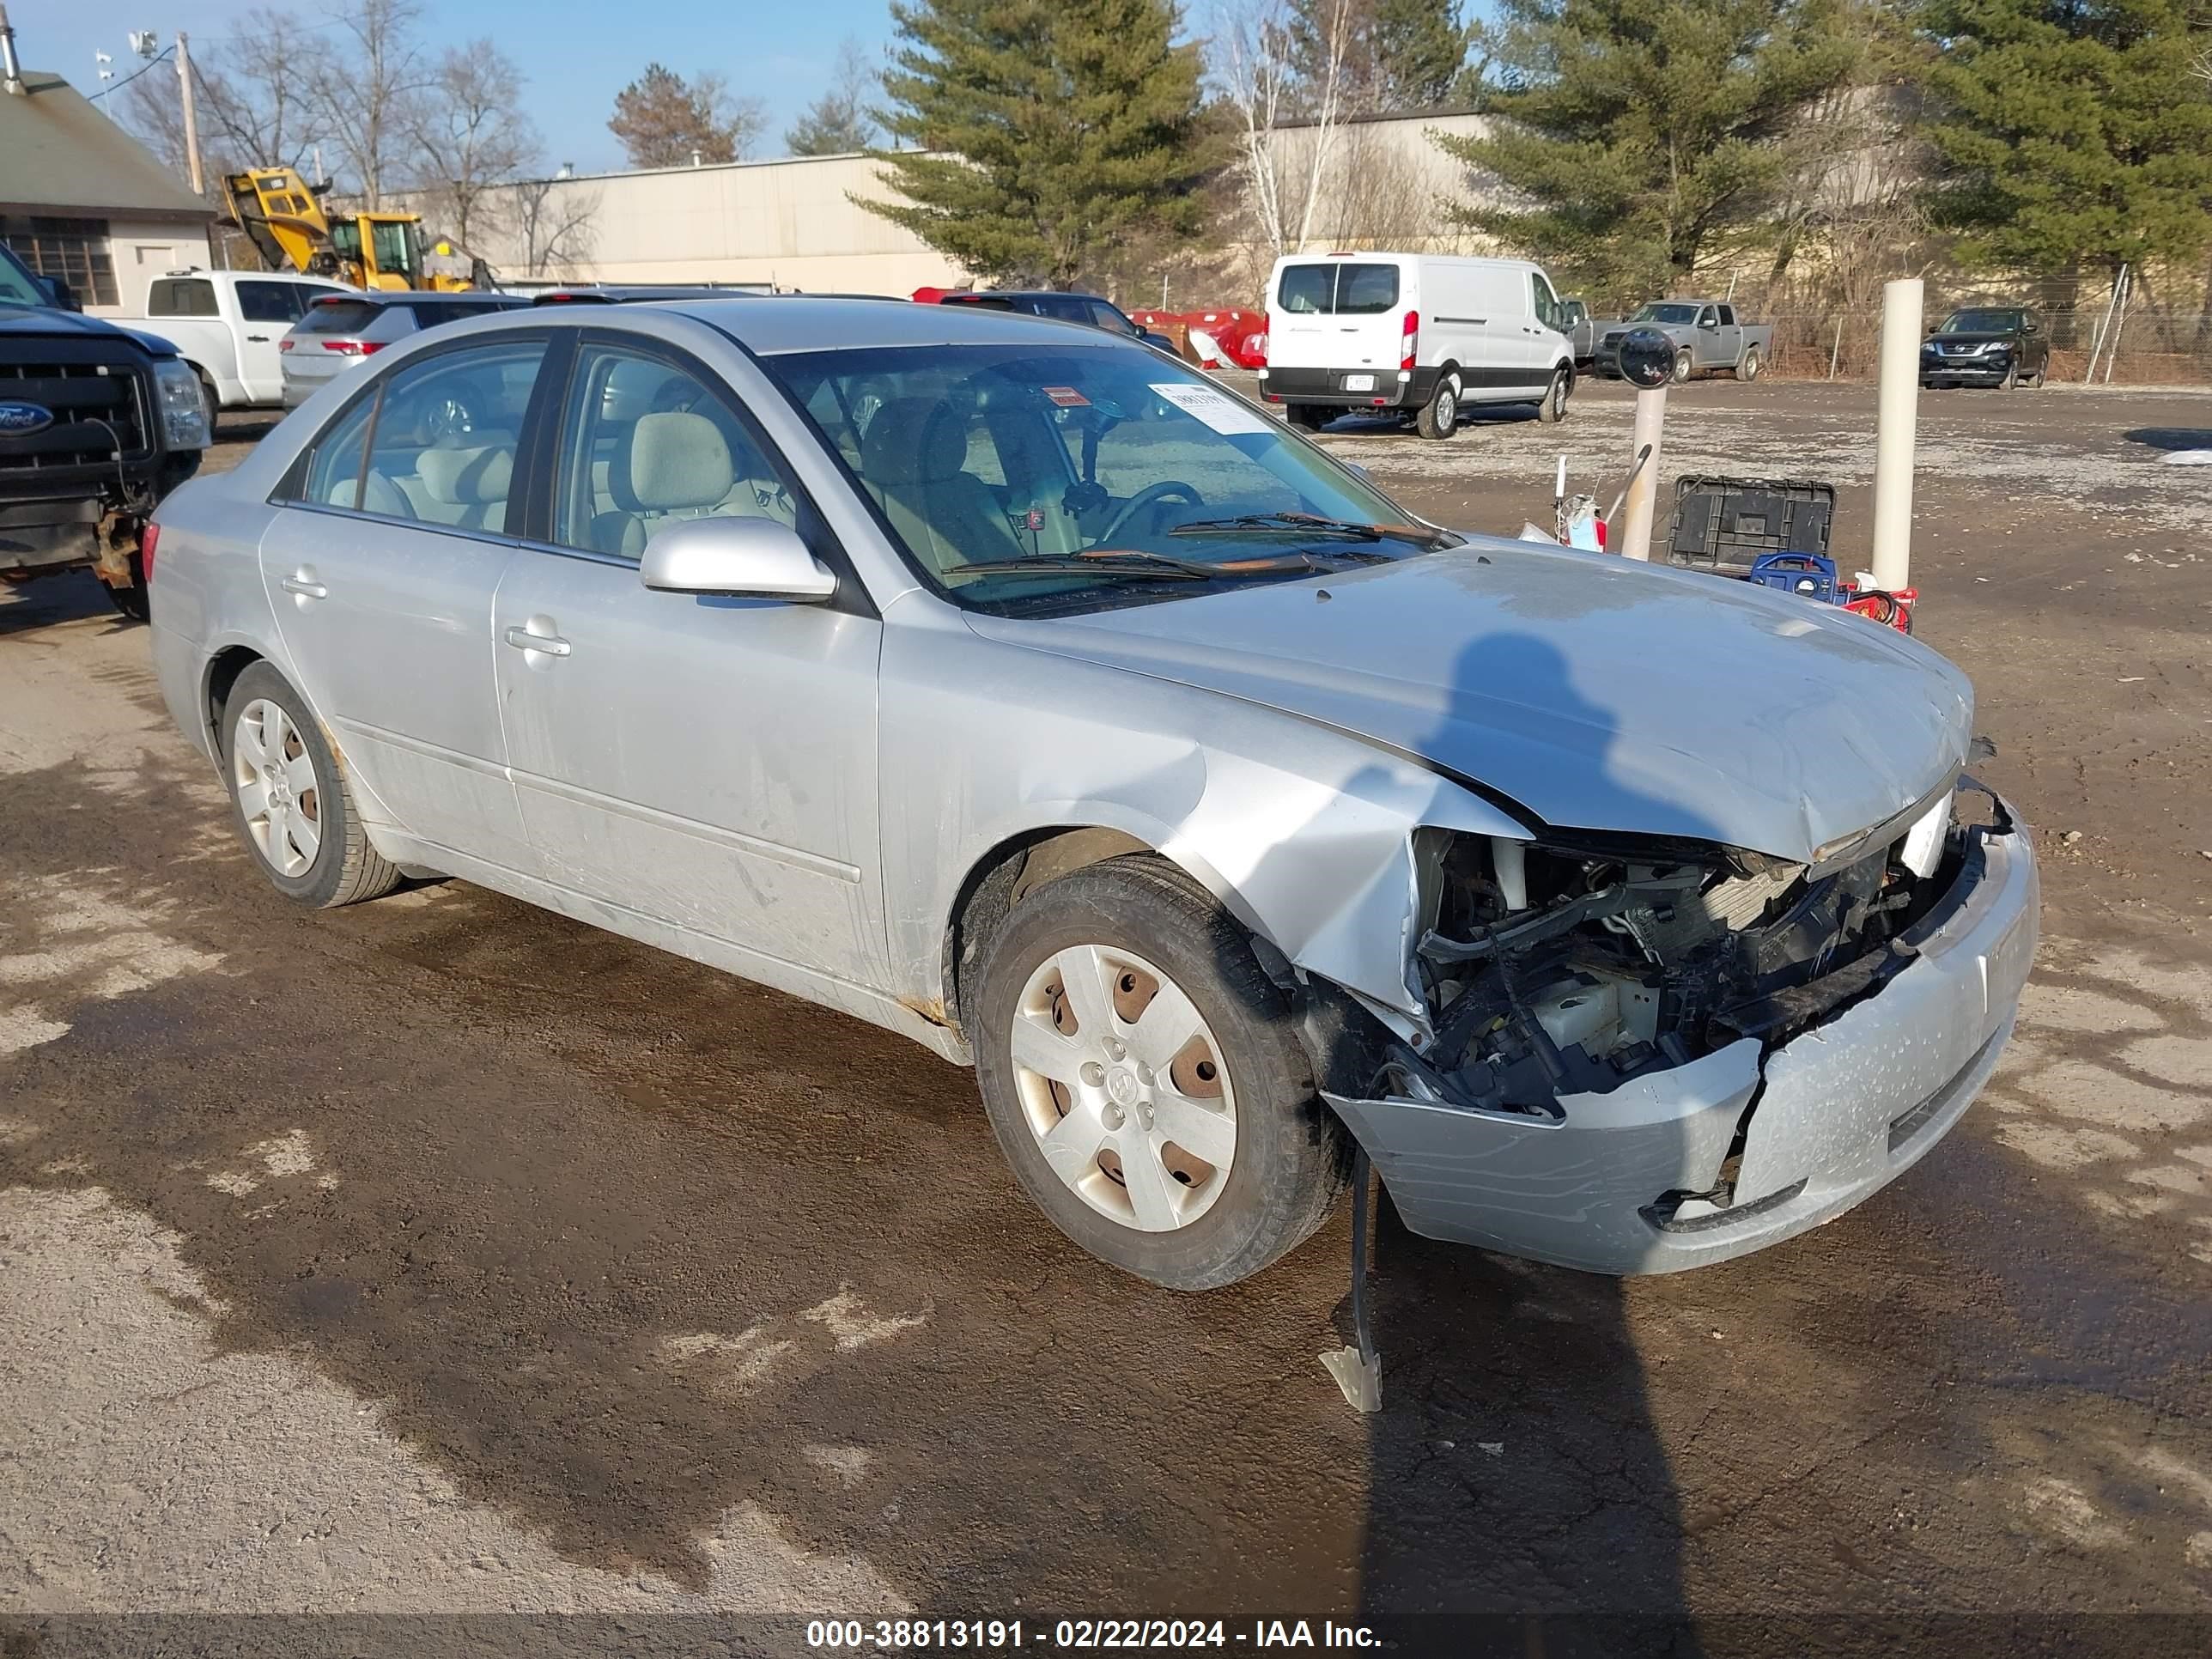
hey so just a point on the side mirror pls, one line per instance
(59, 294)
(740, 558)
(1709, 322)
(2029, 326)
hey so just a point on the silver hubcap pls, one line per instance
(1447, 410)
(1123, 1083)
(277, 792)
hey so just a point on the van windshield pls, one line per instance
(1338, 289)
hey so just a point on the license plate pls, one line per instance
(1360, 383)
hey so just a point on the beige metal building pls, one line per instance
(82, 200)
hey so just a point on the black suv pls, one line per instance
(1986, 345)
(1086, 308)
(97, 424)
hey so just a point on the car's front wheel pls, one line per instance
(1142, 1076)
(1681, 366)
(290, 798)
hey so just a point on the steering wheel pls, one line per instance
(1146, 497)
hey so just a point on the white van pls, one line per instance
(1425, 333)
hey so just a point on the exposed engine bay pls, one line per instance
(1570, 967)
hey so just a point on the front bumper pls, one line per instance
(1326, 386)
(1834, 1116)
(1964, 371)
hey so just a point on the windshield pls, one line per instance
(1656, 313)
(1035, 476)
(1981, 322)
(17, 286)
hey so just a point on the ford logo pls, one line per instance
(18, 420)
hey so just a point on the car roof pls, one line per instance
(416, 296)
(786, 323)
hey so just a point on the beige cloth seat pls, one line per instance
(465, 488)
(912, 460)
(378, 494)
(668, 465)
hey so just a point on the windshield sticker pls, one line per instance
(1213, 406)
(1067, 397)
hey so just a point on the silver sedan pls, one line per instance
(1006, 684)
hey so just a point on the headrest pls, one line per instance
(466, 478)
(378, 495)
(672, 459)
(631, 385)
(913, 441)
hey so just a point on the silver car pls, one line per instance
(1001, 684)
(342, 331)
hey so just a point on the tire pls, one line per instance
(1439, 416)
(134, 601)
(1553, 409)
(1748, 366)
(343, 868)
(1312, 418)
(1681, 366)
(1145, 930)
(2011, 380)
(211, 400)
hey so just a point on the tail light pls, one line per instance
(284, 344)
(147, 539)
(353, 348)
(1409, 339)
(1601, 536)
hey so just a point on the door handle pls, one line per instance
(551, 644)
(303, 584)
(259, 339)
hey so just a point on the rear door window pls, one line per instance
(269, 302)
(1338, 289)
(443, 449)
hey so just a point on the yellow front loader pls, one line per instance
(284, 217)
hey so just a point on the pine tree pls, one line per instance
(1059, 129)
(1636, 137)
(2072, 136)
(664, 120)
(1392, 54)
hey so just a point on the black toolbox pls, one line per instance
(1724, 525)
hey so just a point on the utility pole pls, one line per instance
(191, 114)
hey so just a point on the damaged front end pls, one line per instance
(1644, 1055)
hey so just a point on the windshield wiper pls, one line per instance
(1309, 523)
(1130, 563)
(1312, 524)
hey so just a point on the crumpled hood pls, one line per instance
(1596, 693)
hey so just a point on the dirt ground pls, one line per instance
(439, 1255)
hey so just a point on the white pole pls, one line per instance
(1896, 425)
(1644, 489)
(1836, 350)
(2127, 292)
(2097, 341)
(191, 110)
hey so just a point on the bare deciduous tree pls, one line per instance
(550, 223)
(471, 134)
(1287, 123)
(366, 87)
(254, 102)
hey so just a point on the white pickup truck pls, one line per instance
(226, 324)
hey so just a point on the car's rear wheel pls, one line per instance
(1439, 416)
(1748, 366)
(1553, 409)
(1142, 1076)
(291, 799)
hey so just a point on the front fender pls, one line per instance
(1302, 832)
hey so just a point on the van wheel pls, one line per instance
(1681, 366)
(1747, 367)
(1440, 418)
(1553, 409)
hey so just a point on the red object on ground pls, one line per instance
(1877, 606)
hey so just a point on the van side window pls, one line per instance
(1546, 304)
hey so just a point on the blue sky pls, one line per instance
(576, 56)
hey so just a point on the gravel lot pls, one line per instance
(442, 1256)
